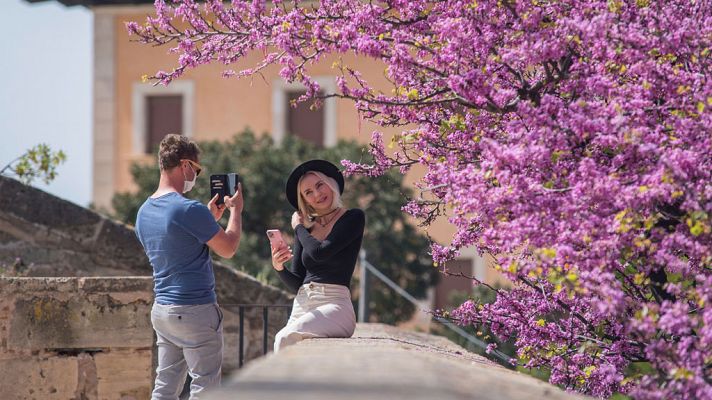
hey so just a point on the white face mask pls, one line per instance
(188, 185)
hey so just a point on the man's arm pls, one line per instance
(225, 242)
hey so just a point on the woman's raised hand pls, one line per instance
(296, 219)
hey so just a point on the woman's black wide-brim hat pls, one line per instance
(322, 166)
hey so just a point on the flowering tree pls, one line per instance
(569, 139)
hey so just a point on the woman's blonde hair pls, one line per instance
(308, 213)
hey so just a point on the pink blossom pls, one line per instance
(568, 140)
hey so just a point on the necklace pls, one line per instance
(320, 217)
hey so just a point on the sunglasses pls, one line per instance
(196, 167)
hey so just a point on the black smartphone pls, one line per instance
(223, 185)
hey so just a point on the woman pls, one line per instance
(326, 246)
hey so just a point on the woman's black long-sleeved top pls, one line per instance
(329, 261)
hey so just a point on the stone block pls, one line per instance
(116, 244)
(53, 378)
(115, 285)
(49, 323)
(124, 374)
(71, 313)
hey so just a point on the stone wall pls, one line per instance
(76, 338)
(44, 236)
(64, 338)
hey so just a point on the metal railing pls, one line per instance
(265, 325)
(367, 267)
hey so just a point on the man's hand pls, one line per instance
(236, 202)
(216, 209)
(225, 242)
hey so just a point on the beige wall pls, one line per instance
(223, 107)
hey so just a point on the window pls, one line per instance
(303, 120)
(453, 285)
(159, 110)
(317, 126)
(164, 115)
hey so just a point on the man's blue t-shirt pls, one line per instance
(173, 231)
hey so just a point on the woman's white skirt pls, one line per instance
(319, 310)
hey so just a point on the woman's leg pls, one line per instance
(328, 320)
(299, 308)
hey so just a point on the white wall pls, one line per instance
(45, 89)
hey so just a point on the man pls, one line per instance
(176, 233)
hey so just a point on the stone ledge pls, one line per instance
(63, 239)
(381, 361)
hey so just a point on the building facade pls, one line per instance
(130, 116)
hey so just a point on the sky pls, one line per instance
(46, 89)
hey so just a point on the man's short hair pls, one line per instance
(174, 148)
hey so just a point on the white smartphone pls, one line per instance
(276, 239)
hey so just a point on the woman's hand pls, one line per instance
(280, 256)
(216, 209)
(297, 219)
